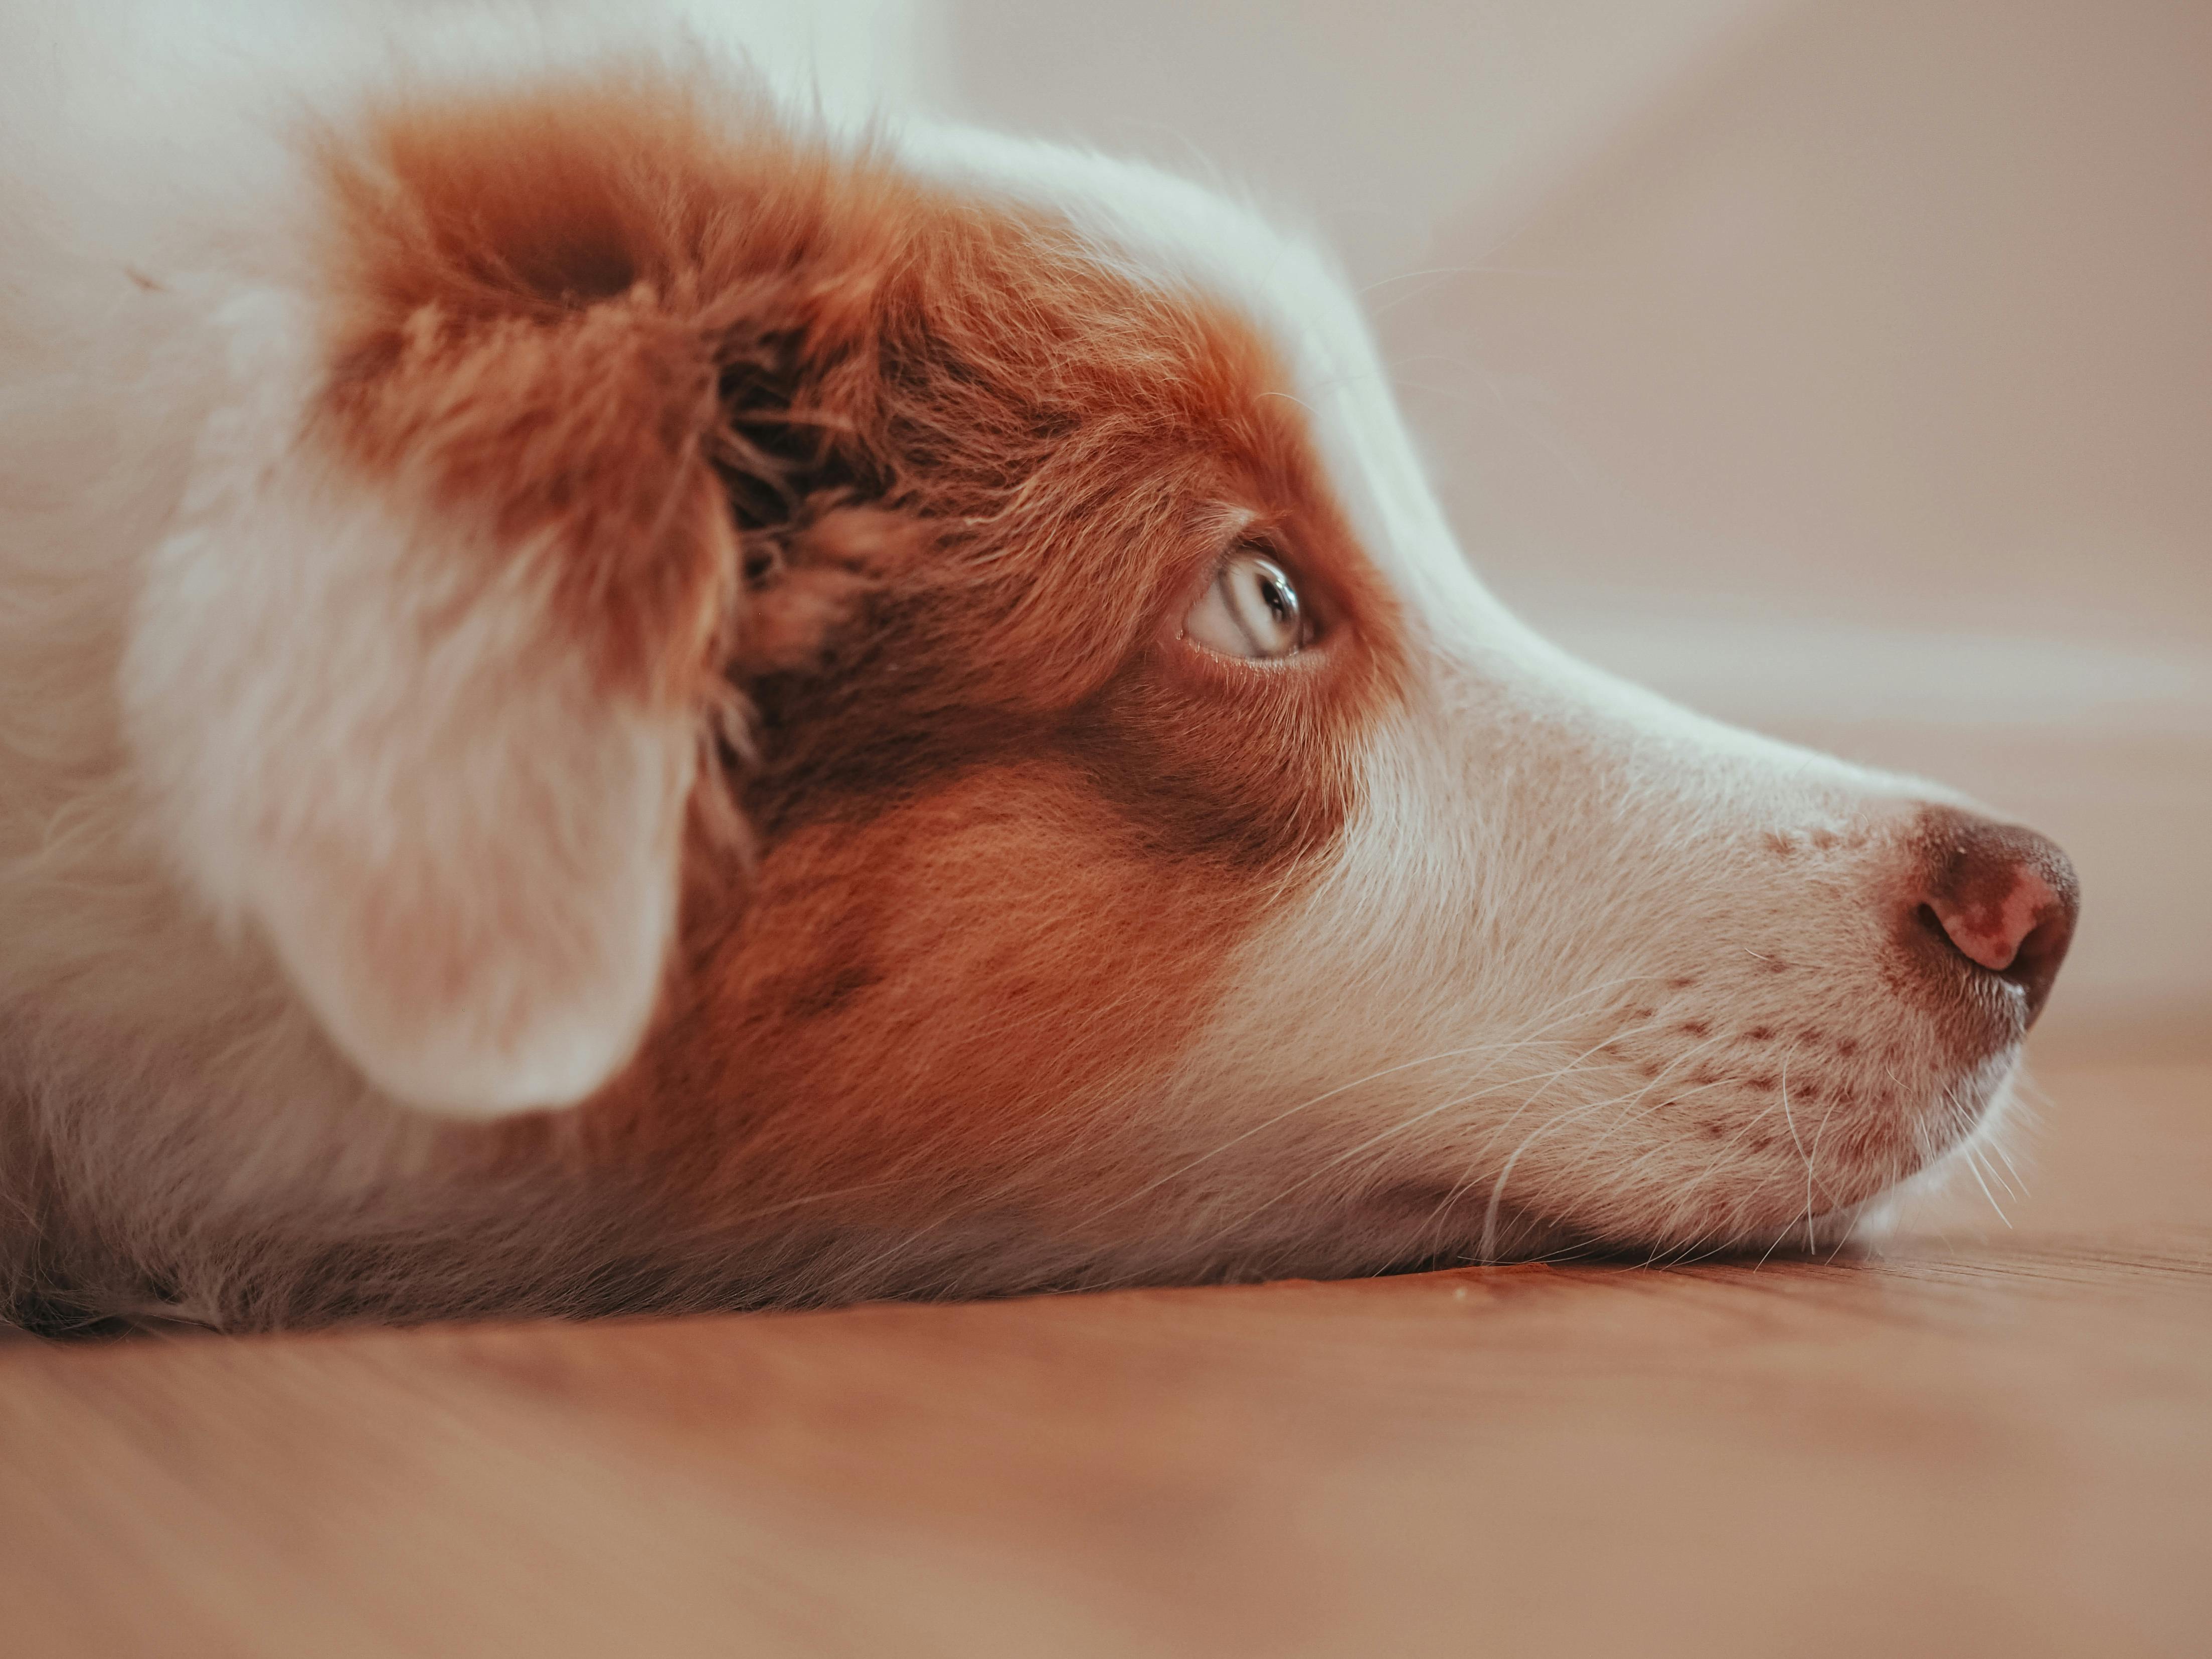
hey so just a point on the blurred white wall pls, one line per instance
(1843, 367)
(1379, 122)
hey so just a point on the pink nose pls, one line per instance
(2005, 897)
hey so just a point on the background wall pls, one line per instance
(1842, 367)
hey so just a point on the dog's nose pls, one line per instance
(2004, 896)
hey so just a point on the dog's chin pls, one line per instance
(1968, 1119)
(1840, 1214)
(1845, 1233)
(1965, 1118)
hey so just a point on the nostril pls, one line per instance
(2004, 897)
(1989, 911)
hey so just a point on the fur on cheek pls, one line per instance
(939, 1008)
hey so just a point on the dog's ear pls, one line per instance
(421, 681)
(435, 745)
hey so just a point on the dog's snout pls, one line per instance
(2004, 897)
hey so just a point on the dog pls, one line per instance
(617, 693)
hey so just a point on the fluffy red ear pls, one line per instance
(421, 679)
(421, 697)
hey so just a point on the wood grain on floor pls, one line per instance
(1994, 1440)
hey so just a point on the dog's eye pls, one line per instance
(1251, 609)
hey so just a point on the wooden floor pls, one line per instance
(1997, 1440)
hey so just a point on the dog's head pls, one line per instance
(923, 693)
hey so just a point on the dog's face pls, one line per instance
(929, 693)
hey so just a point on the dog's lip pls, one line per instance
(1457, 1216)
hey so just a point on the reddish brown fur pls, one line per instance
(1009, 824)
